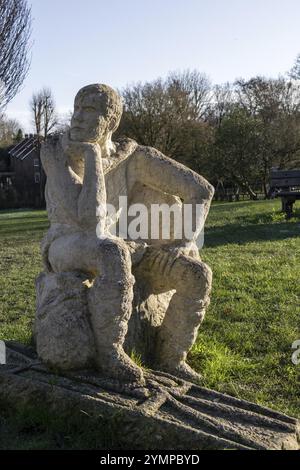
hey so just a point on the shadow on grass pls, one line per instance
(22, 212)
(246, 227)
(20, 228)
(272, 217)
(251, 232)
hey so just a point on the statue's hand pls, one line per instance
(181, 247)
(164, 256)
(79, 149)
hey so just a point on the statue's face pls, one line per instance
(88, 123)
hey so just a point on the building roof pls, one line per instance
(24, 148)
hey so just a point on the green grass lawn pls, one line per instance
(244, 345)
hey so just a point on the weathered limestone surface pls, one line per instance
(164, 413)
(62, 326)
(63, 329)
(163, 281)
(100, 297)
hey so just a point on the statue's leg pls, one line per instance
(110, 297)
(110, 304)
(192, 280)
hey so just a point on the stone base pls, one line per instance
(168, 413)
(62, 330)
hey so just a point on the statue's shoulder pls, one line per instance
(125, 147)
(52, 141)
(52, 144)
(51, 150)
(153, 153)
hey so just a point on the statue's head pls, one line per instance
(97, 113)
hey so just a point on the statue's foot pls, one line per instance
(117, 365)
(182, 370)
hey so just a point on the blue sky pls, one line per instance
(117, 42)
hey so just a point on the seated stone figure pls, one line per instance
(86, 294)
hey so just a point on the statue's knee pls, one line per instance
(203, 276)
(115, 260)
(204, 272)
(114, 249)
(55, 256)
(199, 280)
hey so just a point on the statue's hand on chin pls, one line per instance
(76, 148)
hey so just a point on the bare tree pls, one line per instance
(63, 122)
(15, 31)
(294, 73)
(222, 103)
(50, 117)
(268, 97)
(9, 130)
(259, 130)
(44, 115)
(196, 86)
(167, 114)
(36, 107)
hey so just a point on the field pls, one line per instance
(244, 345)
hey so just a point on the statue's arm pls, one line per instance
(154, 169)
(92, 197)
(62, 182)
(80, 197)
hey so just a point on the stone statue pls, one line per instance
(107, 296)
(86, 294)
